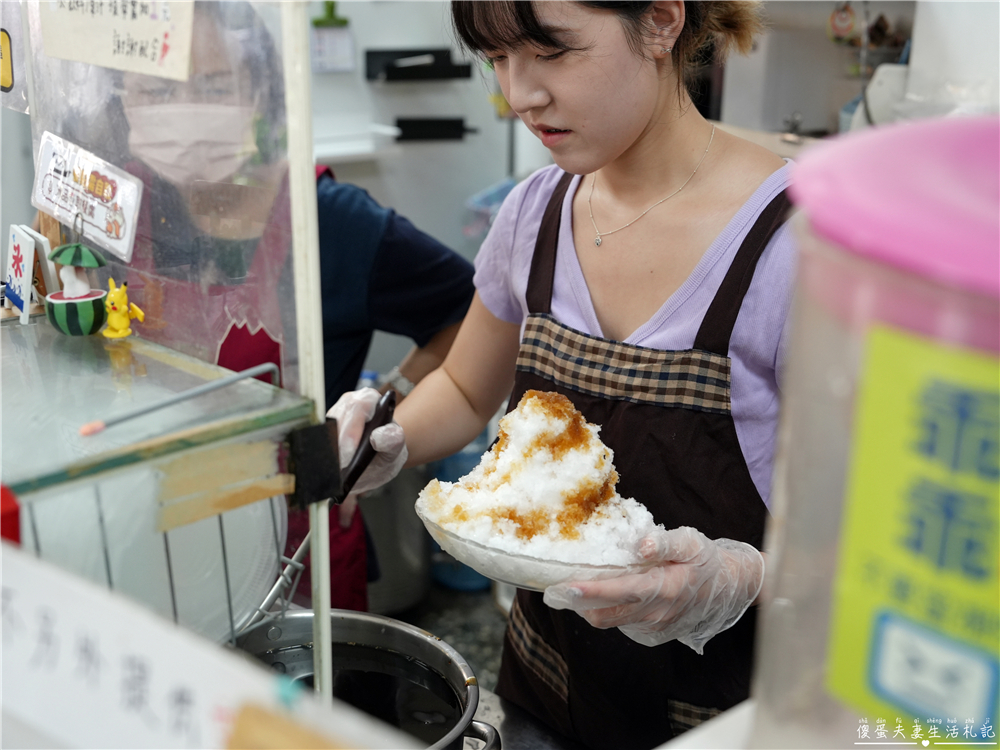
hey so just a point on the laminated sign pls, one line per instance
(6, 61)
(72, 184)
(915, 618)
(13, 86)
(140, 37)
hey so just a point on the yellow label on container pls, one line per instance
(6, 62)
(915, 628)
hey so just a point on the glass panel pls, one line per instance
(106, 531)
(53, 384)
(92, 504)
(212, 262)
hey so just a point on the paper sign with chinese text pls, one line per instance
(117, 675)
(147, 37)
(77, 187)
(20, 271)
(915, 619)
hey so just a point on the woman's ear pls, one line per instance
(668, 21)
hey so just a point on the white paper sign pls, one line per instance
(94, 670)
(71, 182)
(151, 37)
(42, 250)
(20, 271)
(332, 50)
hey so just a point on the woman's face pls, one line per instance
(588, 107)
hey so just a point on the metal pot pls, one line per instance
(384, 647)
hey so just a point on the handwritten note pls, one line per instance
(148, 36)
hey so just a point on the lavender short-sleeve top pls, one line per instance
(757, 346)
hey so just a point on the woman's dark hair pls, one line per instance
(505, 25)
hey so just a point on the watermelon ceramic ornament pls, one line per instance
(77, 310)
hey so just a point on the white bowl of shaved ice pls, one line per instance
(541, 506)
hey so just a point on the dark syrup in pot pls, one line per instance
(397, 689)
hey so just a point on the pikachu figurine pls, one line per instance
(120, 311)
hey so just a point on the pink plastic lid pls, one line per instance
(922, 196)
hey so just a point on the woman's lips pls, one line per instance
(552, 136)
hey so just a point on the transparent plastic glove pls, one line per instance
(699, 588)
(346, 511)
(352, 411)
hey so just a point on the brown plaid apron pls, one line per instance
(666, 415)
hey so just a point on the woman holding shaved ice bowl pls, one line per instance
(647, 277)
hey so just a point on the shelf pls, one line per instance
(414, 65)
(338, 140)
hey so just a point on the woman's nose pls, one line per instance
(525, 90)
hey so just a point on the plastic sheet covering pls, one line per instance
(212, 262)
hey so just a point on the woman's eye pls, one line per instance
(493, 60)
(553, 56)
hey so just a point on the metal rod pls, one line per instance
(319, 529)
(266, 616)
(170, 576)
(308, 305)
(286, 579)
(104, 534)
(292, 589)
(225, 575)
(92, 428)
(274, 528)
(34, 530)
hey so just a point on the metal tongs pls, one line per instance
(323, 439)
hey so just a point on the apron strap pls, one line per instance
(543, 261)
(717, 326)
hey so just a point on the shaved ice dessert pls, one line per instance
(545, 490)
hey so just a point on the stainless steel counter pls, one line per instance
(518, 729)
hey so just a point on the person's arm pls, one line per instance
(453, 403)
(422, 360)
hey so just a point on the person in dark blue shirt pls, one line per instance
(378, 273)
(381, 273)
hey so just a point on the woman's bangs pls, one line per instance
(500, 25)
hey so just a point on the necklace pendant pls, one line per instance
(597, 240)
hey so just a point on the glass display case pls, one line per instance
(173, 139)
(181, 508)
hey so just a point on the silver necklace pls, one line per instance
(598, 234)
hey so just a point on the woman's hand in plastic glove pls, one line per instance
(346, 510)
(697, 588)
(352, 411)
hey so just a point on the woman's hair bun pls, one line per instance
(729, 24)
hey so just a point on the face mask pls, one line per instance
(189, 142)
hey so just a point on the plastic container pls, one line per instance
(368, 379)
(881, 620)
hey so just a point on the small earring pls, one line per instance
(664, 50)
